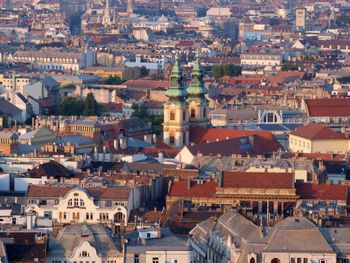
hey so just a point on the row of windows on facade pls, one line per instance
(292, 260)
(90, 216)
(299, 142)
(64, 261)
(154, 259)
(77, 202)
(44, 59)
(192, 114)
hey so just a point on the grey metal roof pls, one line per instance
(8, 109)
(72, 236)
(168, 241)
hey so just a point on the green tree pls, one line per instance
(75, 106)
(226, 70)
(218, 71)
(141, 112)
(144, 71)
(91, 107)
(113, 80)
(289, 67)
(72, 106)
(232, 70)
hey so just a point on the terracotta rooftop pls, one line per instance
(315, 131)
(181, 188)
(263, 141)
(333, 107)
(327, 192)
(100, 193)
(257, 180)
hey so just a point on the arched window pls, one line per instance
(172, 115)
(172, 138)
(252, 260)
(82, 202)
(70, 203)
(119, 217)
(275, 260)
(193, 113)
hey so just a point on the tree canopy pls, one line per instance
(76, 106)
(289, 67)
(141, 112)
(226, 70)
(113, 80)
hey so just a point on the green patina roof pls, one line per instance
(196, 88)
(176, 91)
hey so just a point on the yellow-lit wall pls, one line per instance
(299, 144)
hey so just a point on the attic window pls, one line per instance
(84, 254)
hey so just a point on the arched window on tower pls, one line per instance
(172, 115)
(193, 113)
(172, 138)
(252, 260)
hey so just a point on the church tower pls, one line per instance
(131, 6)
(175, 126)
(197, 103)
(106, 21)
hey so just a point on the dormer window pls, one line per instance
(84, 254)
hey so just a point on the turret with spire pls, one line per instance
(176, 127)
(198, 104)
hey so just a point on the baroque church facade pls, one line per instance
(185, 107)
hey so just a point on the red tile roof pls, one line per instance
(257, 180)
(325, 192)
(313, 131)
(145, 83)
(180, 188)
(333, 107)
(263, 141)
(100, 193)
(323, 156)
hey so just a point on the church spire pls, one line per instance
(176, 125)
(196, 90)
(197, 102)
(176, 92)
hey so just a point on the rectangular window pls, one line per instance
(155, 260)
(136, 258)
(76, 202)
(305, 260)
(292, 260)
(298, 260)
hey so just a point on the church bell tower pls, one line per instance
(197, 103)
(175, 126)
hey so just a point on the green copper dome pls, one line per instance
(176, 92)
(196, 90)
